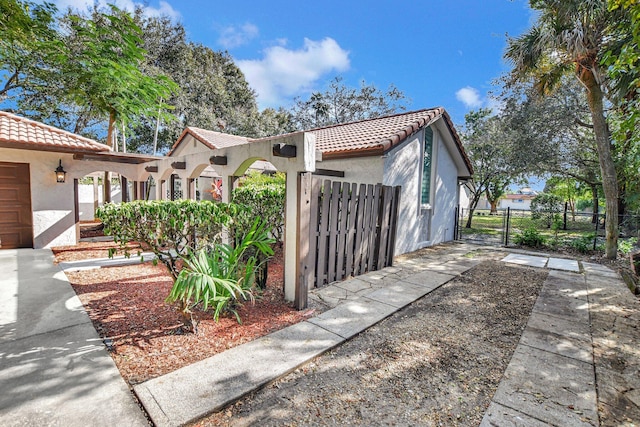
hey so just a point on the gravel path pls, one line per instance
(437, 362)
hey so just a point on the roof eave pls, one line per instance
(49, 148)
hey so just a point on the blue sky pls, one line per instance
(439, 53)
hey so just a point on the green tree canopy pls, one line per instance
(343, 104)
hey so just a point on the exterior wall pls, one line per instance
(366, 170)
(423, 225)
(444, 187)
(521, 204)
(403, 166)
(52, 203)
(87, 200)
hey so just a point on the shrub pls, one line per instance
(264, 195)
(627, 245)
(219, 277)
(171, 229)
(529, 237)
(583, 244)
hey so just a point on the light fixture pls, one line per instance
(60, 172)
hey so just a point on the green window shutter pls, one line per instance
(426, 166)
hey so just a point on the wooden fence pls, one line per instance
(352, 229)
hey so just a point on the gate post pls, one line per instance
(506, 227)
(304, 271)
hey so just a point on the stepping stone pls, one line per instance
(564, 264)
(528, 260)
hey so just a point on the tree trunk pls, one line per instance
(468, 224)
(494, 207)
(607, 166)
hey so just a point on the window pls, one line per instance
(426, 166)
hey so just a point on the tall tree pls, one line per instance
(342, 104)
(105, 75)
(30, 48)
(213, 92)
(571, 35)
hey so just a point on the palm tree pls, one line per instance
(571, 36)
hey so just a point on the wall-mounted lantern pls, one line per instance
(60, 173)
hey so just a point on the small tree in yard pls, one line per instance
(546, 207)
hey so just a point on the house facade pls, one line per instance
(419, 151)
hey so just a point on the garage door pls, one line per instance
(16, 229)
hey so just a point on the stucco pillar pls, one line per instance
(290, 236)
(159, 189)
(124, 183)
(96, 196)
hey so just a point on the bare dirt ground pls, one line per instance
(436, 362)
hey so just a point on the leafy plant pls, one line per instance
(221, 276)
(264, 195)
(583, 244)
(627, 245)
(530, 237)
(171, 229)
(546, 207)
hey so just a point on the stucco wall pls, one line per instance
(445, 190)
(423, 225)
(52, 203)
(402, 166)
(365, 170)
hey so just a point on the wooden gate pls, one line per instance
(352, 229)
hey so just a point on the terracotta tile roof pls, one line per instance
(211, 138)
(376, 136)
(22, 133)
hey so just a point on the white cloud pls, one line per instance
(163, 9)
(470, 97)
(283, 73)
(233, 36)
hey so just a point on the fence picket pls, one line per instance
(323, 238)
(374, 229)
(333, 230)
(350, 246)
(314, 226)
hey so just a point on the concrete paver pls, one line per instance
(203, 387)
(530, 260)
(549, 387)
(563, 264)
(54, 369)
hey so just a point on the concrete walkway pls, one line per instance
(58, 373)
(54, 369)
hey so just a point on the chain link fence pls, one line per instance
(580, 231)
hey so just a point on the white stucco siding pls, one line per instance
(52, 203)
(361, 170)
(445, 193)
(403, 166)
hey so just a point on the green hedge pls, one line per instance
(173, 228)
(265, 196)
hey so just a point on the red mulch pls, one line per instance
(126, 305)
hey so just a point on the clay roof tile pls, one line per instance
(23, 133)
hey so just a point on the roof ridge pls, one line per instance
(52, 129)
(406, 113)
